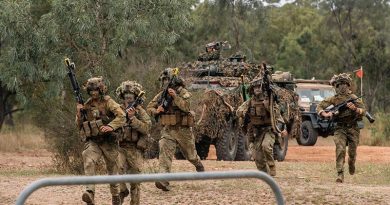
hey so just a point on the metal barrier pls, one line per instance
(80, 180)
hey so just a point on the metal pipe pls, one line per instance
(137, 178)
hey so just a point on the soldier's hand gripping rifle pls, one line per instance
(138, 101)
(271, 90)
(165, 99)
(75, 86)
(334, 109)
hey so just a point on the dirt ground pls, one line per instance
(307, 176)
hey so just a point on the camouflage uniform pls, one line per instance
(102, 111)
(261, 135)
(177, 124)
(346, 130)
(133, 142)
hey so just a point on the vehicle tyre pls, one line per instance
(308, 135)
(280, 149)
(243, 152)
(226, 146)
(202, 147)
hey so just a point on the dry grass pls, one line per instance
(20, 138)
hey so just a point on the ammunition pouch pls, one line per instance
(90, 129)
(130, 134)
(178, 118)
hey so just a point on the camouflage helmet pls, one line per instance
(129, 87)
(169, 73)
(341, 78)
(96, 83)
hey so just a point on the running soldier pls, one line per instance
(171, 108)
(135, 136)
(104, 116)
(346, 131)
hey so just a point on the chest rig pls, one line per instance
(175, 116)
(129, 133)
(259, 112)
(97, 116)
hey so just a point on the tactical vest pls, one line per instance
(97, 116)
(175, 116)
(259, 112)
(130, 134)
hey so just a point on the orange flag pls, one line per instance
(359, 72)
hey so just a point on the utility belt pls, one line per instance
(178, 119)
(260, 120)
(347, 124)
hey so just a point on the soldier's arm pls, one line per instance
(152, 106)
(360, 107)
(142, 123)
(324, 104)
(182, 100)
(120, 117)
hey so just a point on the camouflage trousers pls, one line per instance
(92, 153)
(262, 150)
(130, 161)
(172, 136)
(343, 137)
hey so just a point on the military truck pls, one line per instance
(312, 92)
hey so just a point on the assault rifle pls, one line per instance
(336, 108)
(165, 99)
(138, 101)
(75, 86)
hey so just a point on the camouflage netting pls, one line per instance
(212, 108)
(224, 68)
(288, 103)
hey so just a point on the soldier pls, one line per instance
(104, 116)
(346, 130)
(134, 140)
(256, 113)
(213, 52)
(177, 121)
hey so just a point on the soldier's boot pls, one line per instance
(272, 170)
(340, 177)
(351, 168)
(123, 195)
(163, 186)
(116, 200)
(199, 167)
(88, 197)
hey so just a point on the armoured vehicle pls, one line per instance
(217, 87)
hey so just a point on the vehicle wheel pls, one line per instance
(243, 152)
(226, 146)
(308, 135)
(202, 147)
(280, 149)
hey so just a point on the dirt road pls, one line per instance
(305, 177)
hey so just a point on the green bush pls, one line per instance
(380, 130)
